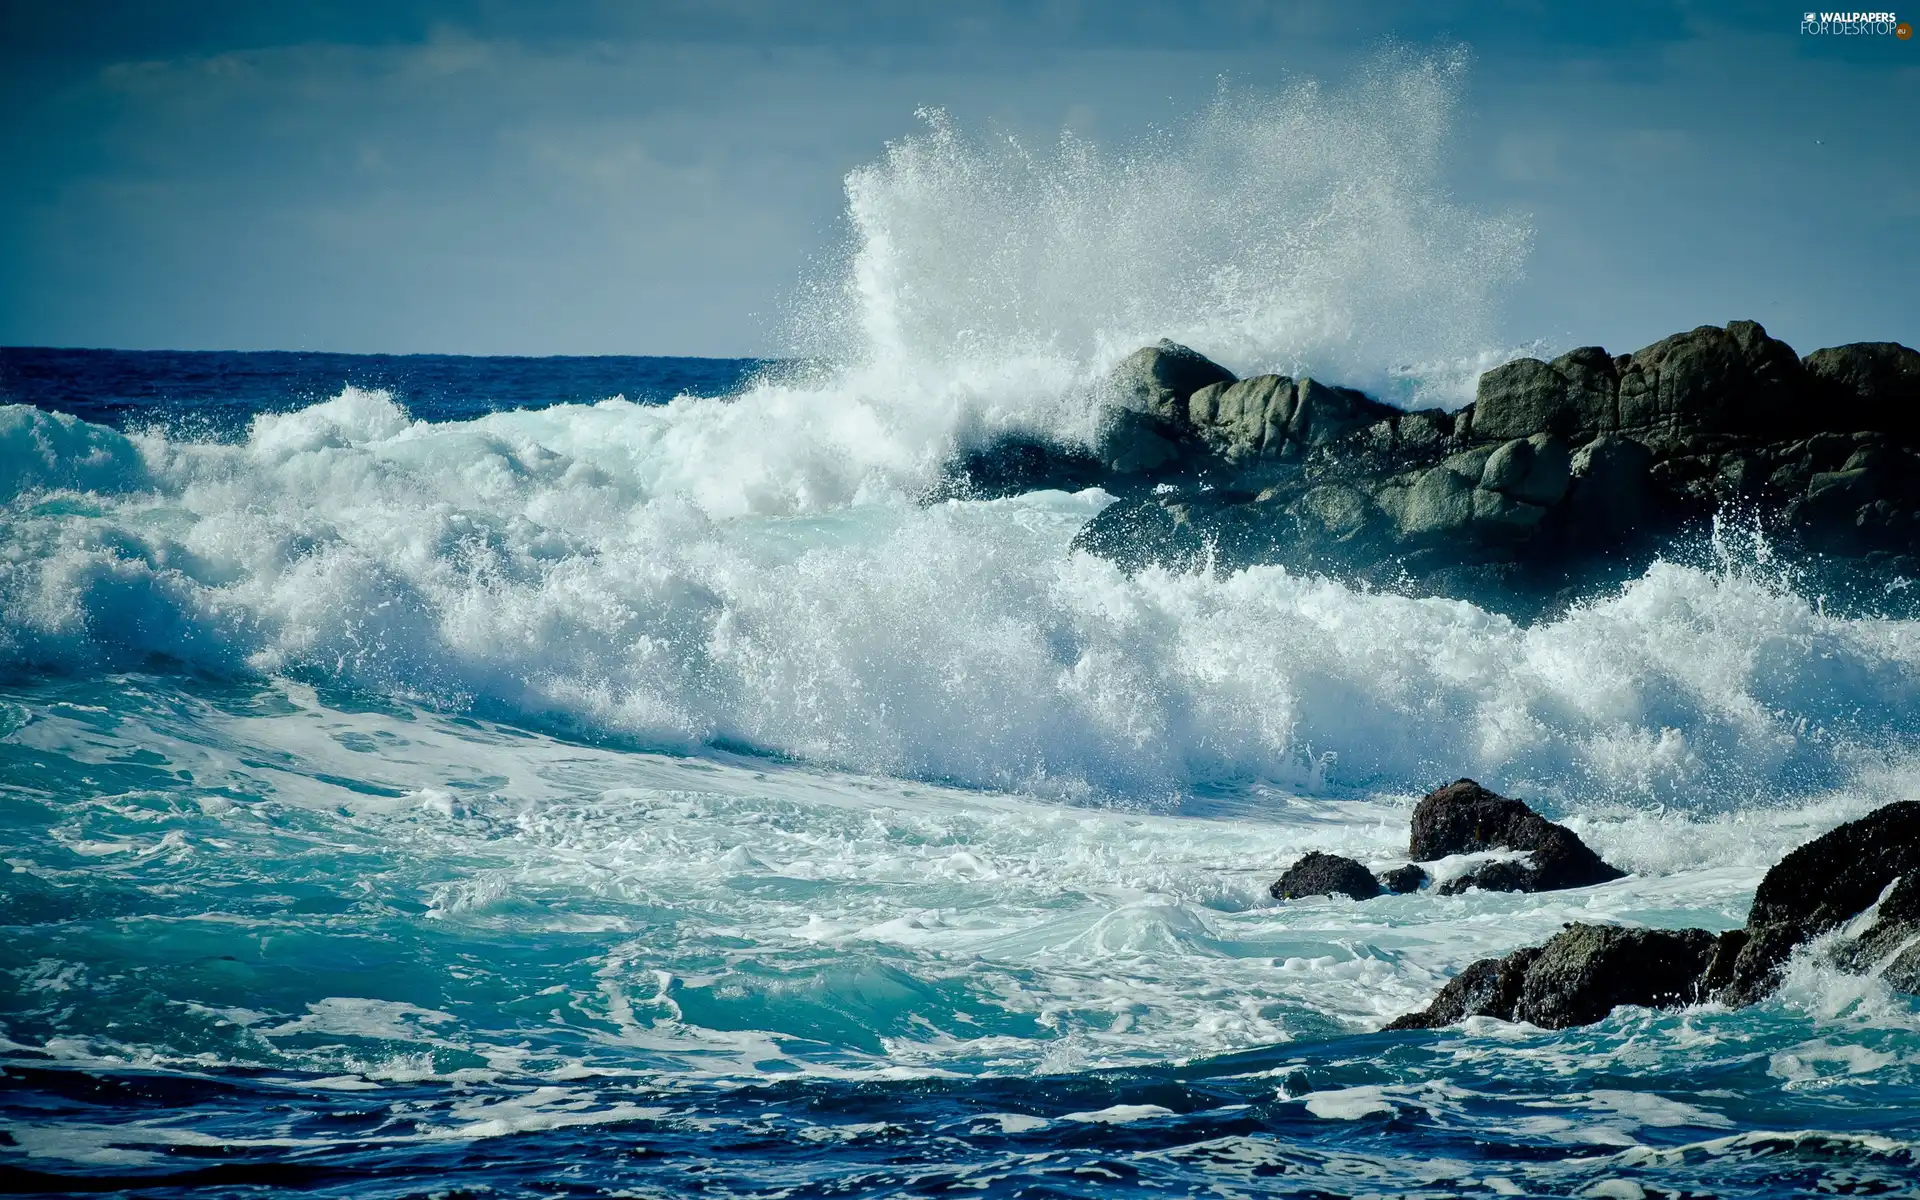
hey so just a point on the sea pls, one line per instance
(436, 776)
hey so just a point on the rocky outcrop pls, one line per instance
(1465, 818)
(1862, 879)
(1577, 978)
(1319, 874)
(1826, 884)
(1561, 476)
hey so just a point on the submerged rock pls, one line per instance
(1465, 818)
(1321, 874)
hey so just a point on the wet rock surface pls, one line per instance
(1864, 875)
(1320, 874)
(1577, 978)
(1465, 818)
(1562, 476)
(1824, 885)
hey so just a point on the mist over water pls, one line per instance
(634, 785)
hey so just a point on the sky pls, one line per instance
(573, 177)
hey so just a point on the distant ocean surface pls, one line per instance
(459, 777)
(220, 391)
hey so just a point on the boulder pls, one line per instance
(1868, 386)
(1465, 818)
(1822, 886)
(1610, 490)
(1143, 427)
(1570, 396)
(1158, 380)
(1866, 870)
(1320, 874)
(1580, 975)
(1245, 421)
(1715, 381)
(1402, 880)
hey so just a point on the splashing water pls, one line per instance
(1301, 232)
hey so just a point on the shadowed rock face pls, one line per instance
(1825, 884)
(1465, 818)
(1869, 866)
(1320, 874)
(1559, 478)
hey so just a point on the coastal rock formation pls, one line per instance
(1827, 883)
(1319, 874)
(1561, 475)
(1577, 978)
(1864, 873)
(1465, 818)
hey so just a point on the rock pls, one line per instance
(1465, 818)
(1013, 465)
(1868, 385)
(1320, 874)
(1610, 487)
(1574, 394)
(1821, 886)
(1143, 427)
(1534, 470)
(1890, 947)
(1563, 478)
(1487, 988)
(1324, 414)
(1714, 381)
(1158, 380)
(1865, 868)
(1245, 421)
(1138, 443)
(1402, 880)
(1580, 975)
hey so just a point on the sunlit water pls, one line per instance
(641, 798)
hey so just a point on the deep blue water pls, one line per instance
(434, 777)
(217, 391)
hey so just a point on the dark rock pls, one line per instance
(1868, 385)
(1891, 945)
(1465, 818)
(1129, 442)
(1402, 880)
(1320, 874)
(1562, 479)
(1577, 978)
(1586, 971)
(1503, 876)
(1735, 380)
(1143, 425)
(1821, 886)
(1488, 988)
(1611, 494)
(1014, 465)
